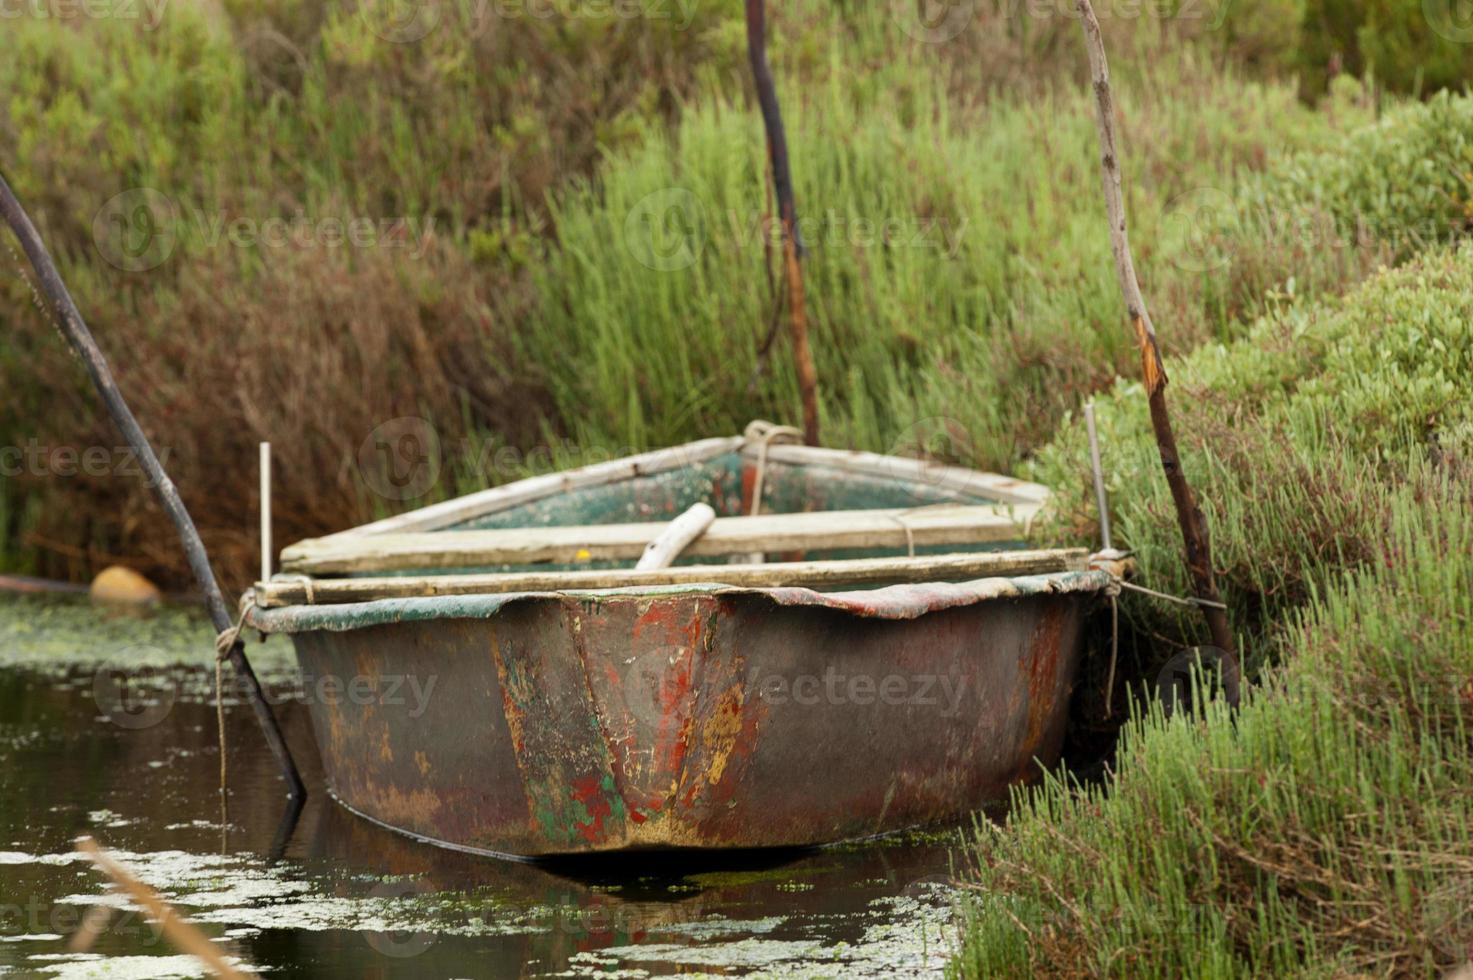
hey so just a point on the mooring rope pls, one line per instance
(1184, 600)
(764, 433)
(305, 580)
(1113, 590)
(224, 643)
(910, 537)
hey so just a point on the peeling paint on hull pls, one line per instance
(714, 718)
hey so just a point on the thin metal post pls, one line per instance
(265, 512)
(1094, 462)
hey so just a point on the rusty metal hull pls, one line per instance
(708, 717)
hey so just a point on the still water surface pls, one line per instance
(107, 727)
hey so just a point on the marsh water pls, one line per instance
(108, 728)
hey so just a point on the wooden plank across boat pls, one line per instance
(874, 650)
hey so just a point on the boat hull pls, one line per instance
(565, 723)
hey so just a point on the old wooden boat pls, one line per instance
(872, 650)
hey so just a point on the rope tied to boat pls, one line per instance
(224, 643)
(306, 581)
(763, 433)
(1112, 590)
(910, 537)
(1184, 600)
(1110, 562)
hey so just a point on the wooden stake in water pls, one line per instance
(265, 512)
(182, 933)
(69, 321)
(782, 181)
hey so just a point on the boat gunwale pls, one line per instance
(890, 602)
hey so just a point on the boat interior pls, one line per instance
(784, 515)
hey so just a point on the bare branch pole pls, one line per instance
(1188, 513)
(184, 934)
(777, 153)
(75, 329)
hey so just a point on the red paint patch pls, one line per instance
(588, 791)
(749, 486)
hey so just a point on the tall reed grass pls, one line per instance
(957, 278)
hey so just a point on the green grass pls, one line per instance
(1322, 829)
(509, 309)
(958, 276)
(588, 276)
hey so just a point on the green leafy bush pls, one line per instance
(1415, 47)
(1296, 438)
(1322, 829)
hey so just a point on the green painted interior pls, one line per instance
(719, 481)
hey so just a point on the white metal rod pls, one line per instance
(265, 512)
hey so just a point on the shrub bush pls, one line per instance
(1322, 828)
(1295, 438)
